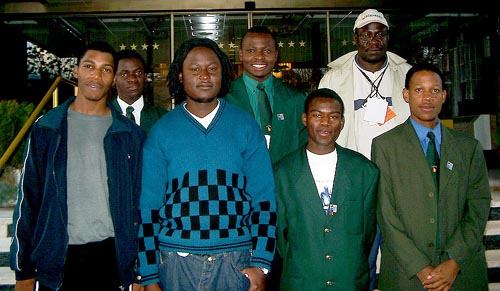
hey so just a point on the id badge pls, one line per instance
(375, 110)
(332, 209)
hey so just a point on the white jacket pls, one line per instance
(340, 79)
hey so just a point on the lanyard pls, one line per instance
(374, 92)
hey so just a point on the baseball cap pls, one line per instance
(369, 16)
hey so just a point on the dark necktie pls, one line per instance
(264, 109)
(129, 113)
(433, 157)
(433, 161)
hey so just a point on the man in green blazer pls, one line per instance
(258, 54)
(326, 205)
(129, 81)
(432, 229)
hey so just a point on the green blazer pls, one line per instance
(288, 131)
(149, 114)
(323, 252)
(407, 208)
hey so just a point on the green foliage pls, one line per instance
(13, 115)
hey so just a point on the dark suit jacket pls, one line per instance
(407, 208)
(149, 114)
(288, 131)
(317, 248)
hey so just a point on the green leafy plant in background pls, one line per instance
(13, 115)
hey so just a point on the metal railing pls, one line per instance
(53, 93)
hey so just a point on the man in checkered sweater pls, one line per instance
(208, 205)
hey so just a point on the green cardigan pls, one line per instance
(316, 248)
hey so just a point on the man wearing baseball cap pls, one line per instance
(370, 81)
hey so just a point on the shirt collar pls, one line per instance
(423, 130)
(251, 83)
(138, 104)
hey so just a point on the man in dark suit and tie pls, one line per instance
(432, 214)
(279, 112)
(129, 80)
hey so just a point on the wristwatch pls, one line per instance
(265, 271)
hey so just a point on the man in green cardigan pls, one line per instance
(259, 54)
(326, 205)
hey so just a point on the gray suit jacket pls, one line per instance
(407, 208)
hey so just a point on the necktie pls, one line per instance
(264, 109)
(433, 161)
(129, 113)
(433, 157)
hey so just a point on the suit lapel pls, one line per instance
(305, 180)
(449, 157)
(342, 178)
(240, 96)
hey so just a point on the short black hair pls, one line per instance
(323, 93)
(128, 54)
(176, 88)
(423, 67)
(101, 46)
(260, 29)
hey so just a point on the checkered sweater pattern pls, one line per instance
(206, 191)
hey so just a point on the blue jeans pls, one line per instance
(204, 272)
(372, 259)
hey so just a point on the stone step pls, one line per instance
(7, 276)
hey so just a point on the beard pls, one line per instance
(202, 100)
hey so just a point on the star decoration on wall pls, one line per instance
(133, 47)
(353, 42)
(291, 44)
(156, 46)
(344, 42)
(232, 45)
(123, 46)
(281, 44)
(144, 46)
(221, 45)
(302, 43)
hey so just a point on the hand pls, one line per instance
(424, 273)
(152, 287)
(137, 287)
(442, 277)
(25, 285)
(256, 277)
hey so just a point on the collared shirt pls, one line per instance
(422, 134)
(251, 85)
(138, 105)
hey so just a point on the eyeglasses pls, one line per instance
(368, 36)
(125, 74)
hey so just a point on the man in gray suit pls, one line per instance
(432, 227)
